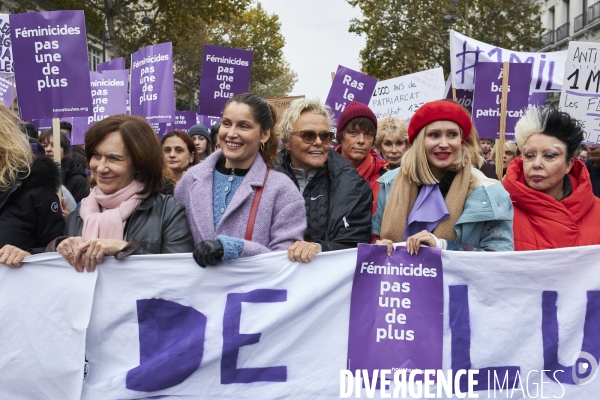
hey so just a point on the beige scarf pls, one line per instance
(402, 199)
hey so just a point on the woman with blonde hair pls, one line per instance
(439, 198)
(30, 215)
(509, 153)
(235, 204)
(391, 140)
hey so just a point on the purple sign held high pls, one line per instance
(488, 97)
(225, 73)
(42, 124)
(161, 128)
(109, 93)
(116, 64)
(349, 85)
(396, 310)
(152, 89)
(207, 120)
(184, 120)
(51, 64)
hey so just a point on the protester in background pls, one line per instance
(235, 205)
(510, 153)
(29, 129)
(336, 198)
(66, 128)
(356, 133)
(473, 144)
(178, 150)
(214, 132)
(125, 212)
(583, 155)
(550, 188)
(593, 166)
(391, 140)
(202, 142)
(73, 175)
(439, 199)
(486, 146)
(30, 215)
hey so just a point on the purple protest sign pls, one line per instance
(464, 97)
(152, 89)
(161, 128)
(207, 120)
(225, 73)
(488, 96)
(117, 63)
(349, 85)
(396, 310)
(184, 120)
(537, 98)
(51, 64)
(8, 91)
(109, 97)
(42, 124)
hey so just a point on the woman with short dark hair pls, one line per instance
(125, 212)
(550, 189)
(179, 151)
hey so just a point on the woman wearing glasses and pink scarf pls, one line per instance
(338, 200)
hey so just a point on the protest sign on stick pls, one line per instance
(503, 103)
(466, 52)
(580, 95)
(117, 63)
(402, 96)
(184, 120)
(207, 120)
(347, 86)
(488, 94)
(109, 93)
(152, 93)
(280, 104)
(225, 73)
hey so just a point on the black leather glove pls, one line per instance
(208, 252)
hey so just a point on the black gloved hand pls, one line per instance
(208, 252)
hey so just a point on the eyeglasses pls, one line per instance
(309, 137)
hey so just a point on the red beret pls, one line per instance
(355, 110)
(439, 110)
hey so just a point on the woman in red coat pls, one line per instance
(550, 189)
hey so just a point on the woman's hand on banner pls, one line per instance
(12, 256)
(98, 248)
(302, 251)
(422, 238)
(388, 243)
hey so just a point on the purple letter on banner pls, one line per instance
(488, 97)
(117, 63)
(233, 339)
(225, 73)
(184, 120)
(51, 64)
(152, 87)
(109, 93)
(396, 310)
(349, 85)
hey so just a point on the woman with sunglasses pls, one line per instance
(338, 201)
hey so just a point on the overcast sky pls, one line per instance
(317, 41)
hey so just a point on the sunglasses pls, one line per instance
(309, 137)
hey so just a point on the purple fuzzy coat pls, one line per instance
(280, 220)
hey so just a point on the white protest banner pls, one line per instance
(580, 95)
(45, 309)
(265, 328)
(466, 52)
(402, 96)
(6, 59)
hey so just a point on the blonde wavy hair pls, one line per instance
(292, 114)
(416, 167)
(15, 153)
(391, 126)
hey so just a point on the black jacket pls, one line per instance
(74, 179)
(30, 214)
(338, 203)
(158, 223)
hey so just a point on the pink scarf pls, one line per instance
(119, 206)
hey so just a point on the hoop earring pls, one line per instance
(262, 147)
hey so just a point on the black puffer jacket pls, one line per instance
(158, 223)
(338, 203)
(30, 215)
(74, 178)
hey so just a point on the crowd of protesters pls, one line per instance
(302, 183)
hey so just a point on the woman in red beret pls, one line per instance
(439, 199)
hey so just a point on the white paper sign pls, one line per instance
(402, 96)
(466, 52)
(580, 95)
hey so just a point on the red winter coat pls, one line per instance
(542, 222)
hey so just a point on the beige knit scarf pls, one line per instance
(402, 199)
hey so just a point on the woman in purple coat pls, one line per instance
(235, 204)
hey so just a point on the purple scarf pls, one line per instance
(429, 210)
